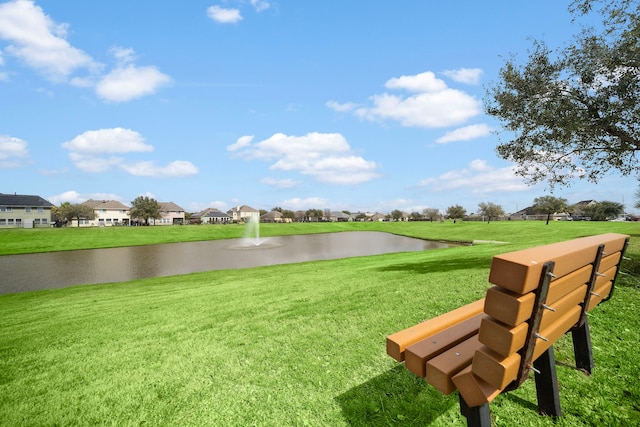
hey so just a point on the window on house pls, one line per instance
(3, 221)
(5, 209)
(36, 221)
(27, 210)
(10, 221)
(40, 210)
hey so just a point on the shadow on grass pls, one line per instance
(442, 266)
(396, 397)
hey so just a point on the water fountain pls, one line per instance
(252, 232)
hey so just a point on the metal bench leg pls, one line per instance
(477, 416)
(582, 347)
(547, 384)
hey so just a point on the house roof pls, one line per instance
(21, 200)
(214, 213)
(210, 213)
(243, 208)
(169, 207)
(272, 214)
(105, 204)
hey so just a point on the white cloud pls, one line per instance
(130, 82)
(465, 134)
(114, 140)
(465, 75)
(74, 197)
(260, 5)
(479, 178)
(178, 168)
(242, 142)
(309, 203)
(40, 42)
(325, 156)
(12, 151)
(433, 104)
(123, 55)
(423, 82)
(279, 183)
(342, 108)
(94, 164)
(88, 153)
(224, 16)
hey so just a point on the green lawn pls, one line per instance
(300, 344)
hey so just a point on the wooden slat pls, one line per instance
(417, 355)
(508, 307)
(610, 261)
(568, 283)
(441, 368)
(502, 339)
(398, 342)
(520, 271)
(562, 306)
(474, 390)
(557, 329)
(494, 368)
(602, 292)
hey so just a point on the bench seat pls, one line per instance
(488, 347)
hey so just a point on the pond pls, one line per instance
(29, 272)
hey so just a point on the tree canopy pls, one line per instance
(602, 211)
(573, 112)
(431, 214)
(67, 212)
(456, 212)
(549, 205)
(490, 210)
(144, 208)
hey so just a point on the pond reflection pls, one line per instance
(52, 270)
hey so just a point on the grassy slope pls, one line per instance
(296, 344)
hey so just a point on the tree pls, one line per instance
(637, 205)
(431, 213)
(314, 214)
(396, 215)
(456, 212)
(549, 205)
(490, 210)
(68, 212)
(602, 211)
(415, 216)
(288, 214)
(573, 112)
(144, 208)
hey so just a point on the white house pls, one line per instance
(171, 214)
(244, 213)
(108, 213)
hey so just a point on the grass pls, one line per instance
(299, 344)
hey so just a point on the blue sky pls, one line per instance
(343, 105)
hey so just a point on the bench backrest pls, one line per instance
(539, 295)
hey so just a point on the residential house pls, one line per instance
(170, 214)
(273, 216)
(337, 216)
(378, 217)
(244, 213)
(211, 216)
(107, 213)
(18, 210)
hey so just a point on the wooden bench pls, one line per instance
(489, 346)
